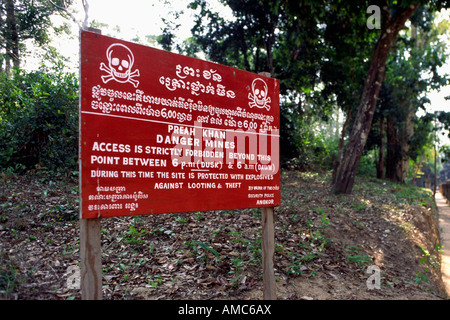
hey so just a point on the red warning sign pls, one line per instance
(163, 133)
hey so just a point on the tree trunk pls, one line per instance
(12, 37)
(268, 44)
(361, 126)
(380, 163)
(244, 52)
(363, 121)
(407, 134)
(393, 154)
(435, 163)
(417, 167)
(1, 44)
(399, 134)
(338, 159)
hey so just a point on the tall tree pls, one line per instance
(416, 53)
(22, 20)
(348, 46)
(278, 37)
(11, 36)
(246, 42)
(320, 51)
(394, 16)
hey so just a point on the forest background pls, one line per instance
(325, 53)
(357, 81)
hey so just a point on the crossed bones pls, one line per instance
(255, 102)
(129, 77)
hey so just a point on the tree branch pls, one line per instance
(398, 21)
(66, 10)
(86, 13)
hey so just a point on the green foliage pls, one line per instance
(39, 119)
(307, 142)
(411, 71)
(367, 165)
(428, 260)
(444, 119)
(22, 20)
(314, 243)
(354, 256)
(203, 255)
(134, 237)
(9, 277)
(33, 19)
(246, 42)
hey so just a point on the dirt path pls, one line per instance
(444, 225)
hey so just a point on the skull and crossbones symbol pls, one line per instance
(259, 95)
(120, 62)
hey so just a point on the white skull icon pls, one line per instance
(120, 63)
(259, 95)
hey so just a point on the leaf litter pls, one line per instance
(324, 245)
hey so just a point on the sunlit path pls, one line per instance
(444, 225)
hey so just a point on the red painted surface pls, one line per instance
(162, 133)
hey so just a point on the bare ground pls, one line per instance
(325, 245)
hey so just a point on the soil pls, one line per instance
(327, 246)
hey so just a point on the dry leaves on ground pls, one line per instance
(324, 245)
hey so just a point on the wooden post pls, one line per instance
(268, 246)
(90, 249)
(268, 249)
(91, 261)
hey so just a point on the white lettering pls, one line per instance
(111, 147)
(148, 162)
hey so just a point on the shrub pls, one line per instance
(39, 119)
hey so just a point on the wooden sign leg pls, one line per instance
(268, 249)
(90, 248)
(91, 261)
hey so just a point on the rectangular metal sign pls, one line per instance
(163, 133)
